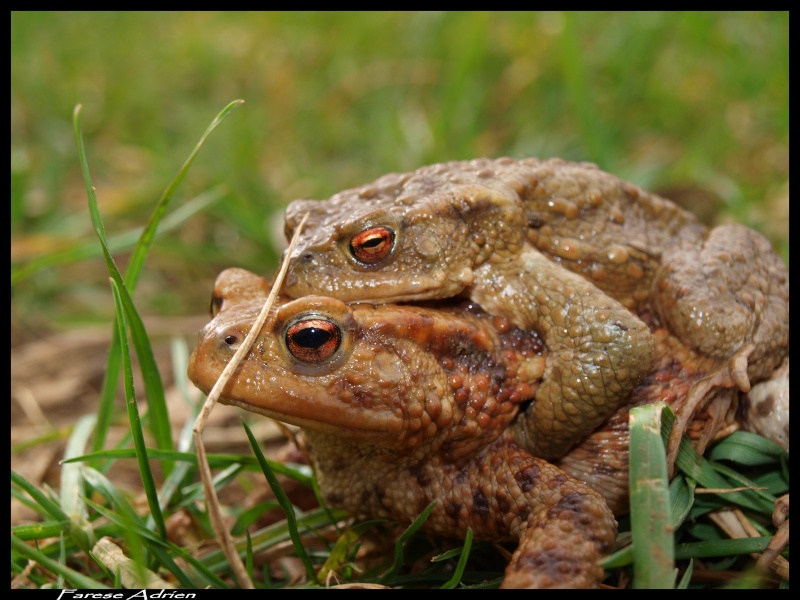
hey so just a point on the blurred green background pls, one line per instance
(694, 104)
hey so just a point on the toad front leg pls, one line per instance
(568, 529)
(598, 350)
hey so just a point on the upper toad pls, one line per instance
(569, 251)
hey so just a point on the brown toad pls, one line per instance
(552, 246)
(405, 405)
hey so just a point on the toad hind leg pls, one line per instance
(723, 294)
(562, 526)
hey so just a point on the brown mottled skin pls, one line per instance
(406, 405)
(569, 251)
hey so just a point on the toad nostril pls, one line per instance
(308, 257)
(231, 338)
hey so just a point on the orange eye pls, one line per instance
(313, 339)
(372, 245)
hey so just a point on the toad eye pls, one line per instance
(313, 339)
(215, 305)
(372, 245)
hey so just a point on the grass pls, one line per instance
(697, 100)
(80, 525)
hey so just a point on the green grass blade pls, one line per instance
(40, 531)
(687, 577)
(339, 554)
(399, 553)
(182, 470)
(129, 524)
(75, 578)
(300, 473)
(715, 476)
(746, 449)
(108, 392)
(158, 417)
(324, 505)
(116, 243)
(621, 558)
(146, 240)
(34, 441)
(274, 534)
(681, 499)
(153, 386)
(713, 548)
(97, 222)
(154, 390)
(126, 516)
(48, 505)
(114, 361)
(287, 507)
(180, 364)
(775, 482)
(458, 573)
(651, 523)
(148, 481)
(72, 486)
(123, 519)
(248, 555)
(137, 534)
(757, 499)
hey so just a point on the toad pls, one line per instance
(569, 251)
(402, 406)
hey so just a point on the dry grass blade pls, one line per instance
(132, 575)
(212, 501)
(736, 525)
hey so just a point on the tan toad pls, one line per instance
(405, 405)
(569, 251)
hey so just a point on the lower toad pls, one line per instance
(403, 406)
